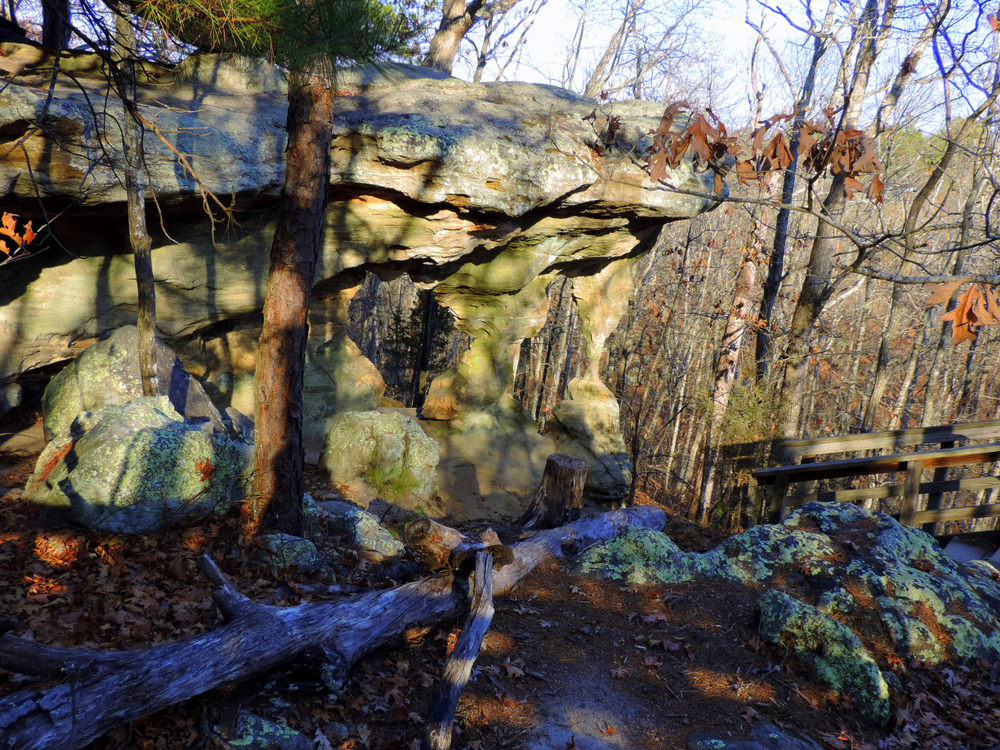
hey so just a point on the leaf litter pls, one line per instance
(631, 666)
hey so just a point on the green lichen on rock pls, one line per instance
(835, 652)
(891, 583)
(257, 733)
(638, 556)
(360, 445)
(373, 542)
(138, 467)
(286, 554)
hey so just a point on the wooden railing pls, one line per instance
(913, 463)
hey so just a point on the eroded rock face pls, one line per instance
(836, 565)
(480, 192)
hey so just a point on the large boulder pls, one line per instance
(889, 583)
(137, 467)
(107, 374)
(383, 456)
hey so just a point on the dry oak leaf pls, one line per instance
(619, 674)
(963, 317)
(205, 468)
(942, 292)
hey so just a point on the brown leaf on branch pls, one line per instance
(874, 193)
(942, 292)
(963, 317)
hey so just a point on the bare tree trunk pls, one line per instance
(725, 371)
(607, 63)
(55, 24)
(281, 352)
(456, 20)
(132, 135)
(776, 264)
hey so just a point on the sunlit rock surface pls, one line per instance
(483, 193)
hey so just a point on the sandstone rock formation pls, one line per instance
(107, 374)
(481, 192)
(384, 456)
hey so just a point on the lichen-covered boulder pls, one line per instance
(140, 466)
(383, 456)
(887, 582)
(837, 654)
(108, 373)
(373, 542)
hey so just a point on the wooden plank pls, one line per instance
(850, 467)
(934, 498)
(956, 514)
(894, 440)
(896, 490)
(779, 500)
(911, 491)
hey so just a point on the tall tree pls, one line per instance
(56, 24)
(122, 71)
(871, 32)
(310, 39)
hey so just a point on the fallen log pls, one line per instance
(444, 547)
(441, 714)
(104, 689)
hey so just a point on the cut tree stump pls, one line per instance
(557, 499)
(441, 714)
(104, 689)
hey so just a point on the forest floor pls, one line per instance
(569, 662)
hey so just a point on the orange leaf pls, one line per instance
(942, 292)
(608, 730)
(205, 468)
(29, 235)
(8, 225)
(874, 193)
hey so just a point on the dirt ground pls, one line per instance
(569, 662)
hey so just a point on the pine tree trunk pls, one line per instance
(281, 352)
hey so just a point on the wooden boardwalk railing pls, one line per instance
(913, 463)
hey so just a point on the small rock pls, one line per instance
(257, 733)
(286, 551)
(373, 542)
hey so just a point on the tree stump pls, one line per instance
(557, 499)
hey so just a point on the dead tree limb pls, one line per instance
(104, 689)
(441, 714)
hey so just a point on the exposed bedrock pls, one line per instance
(483, 193)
